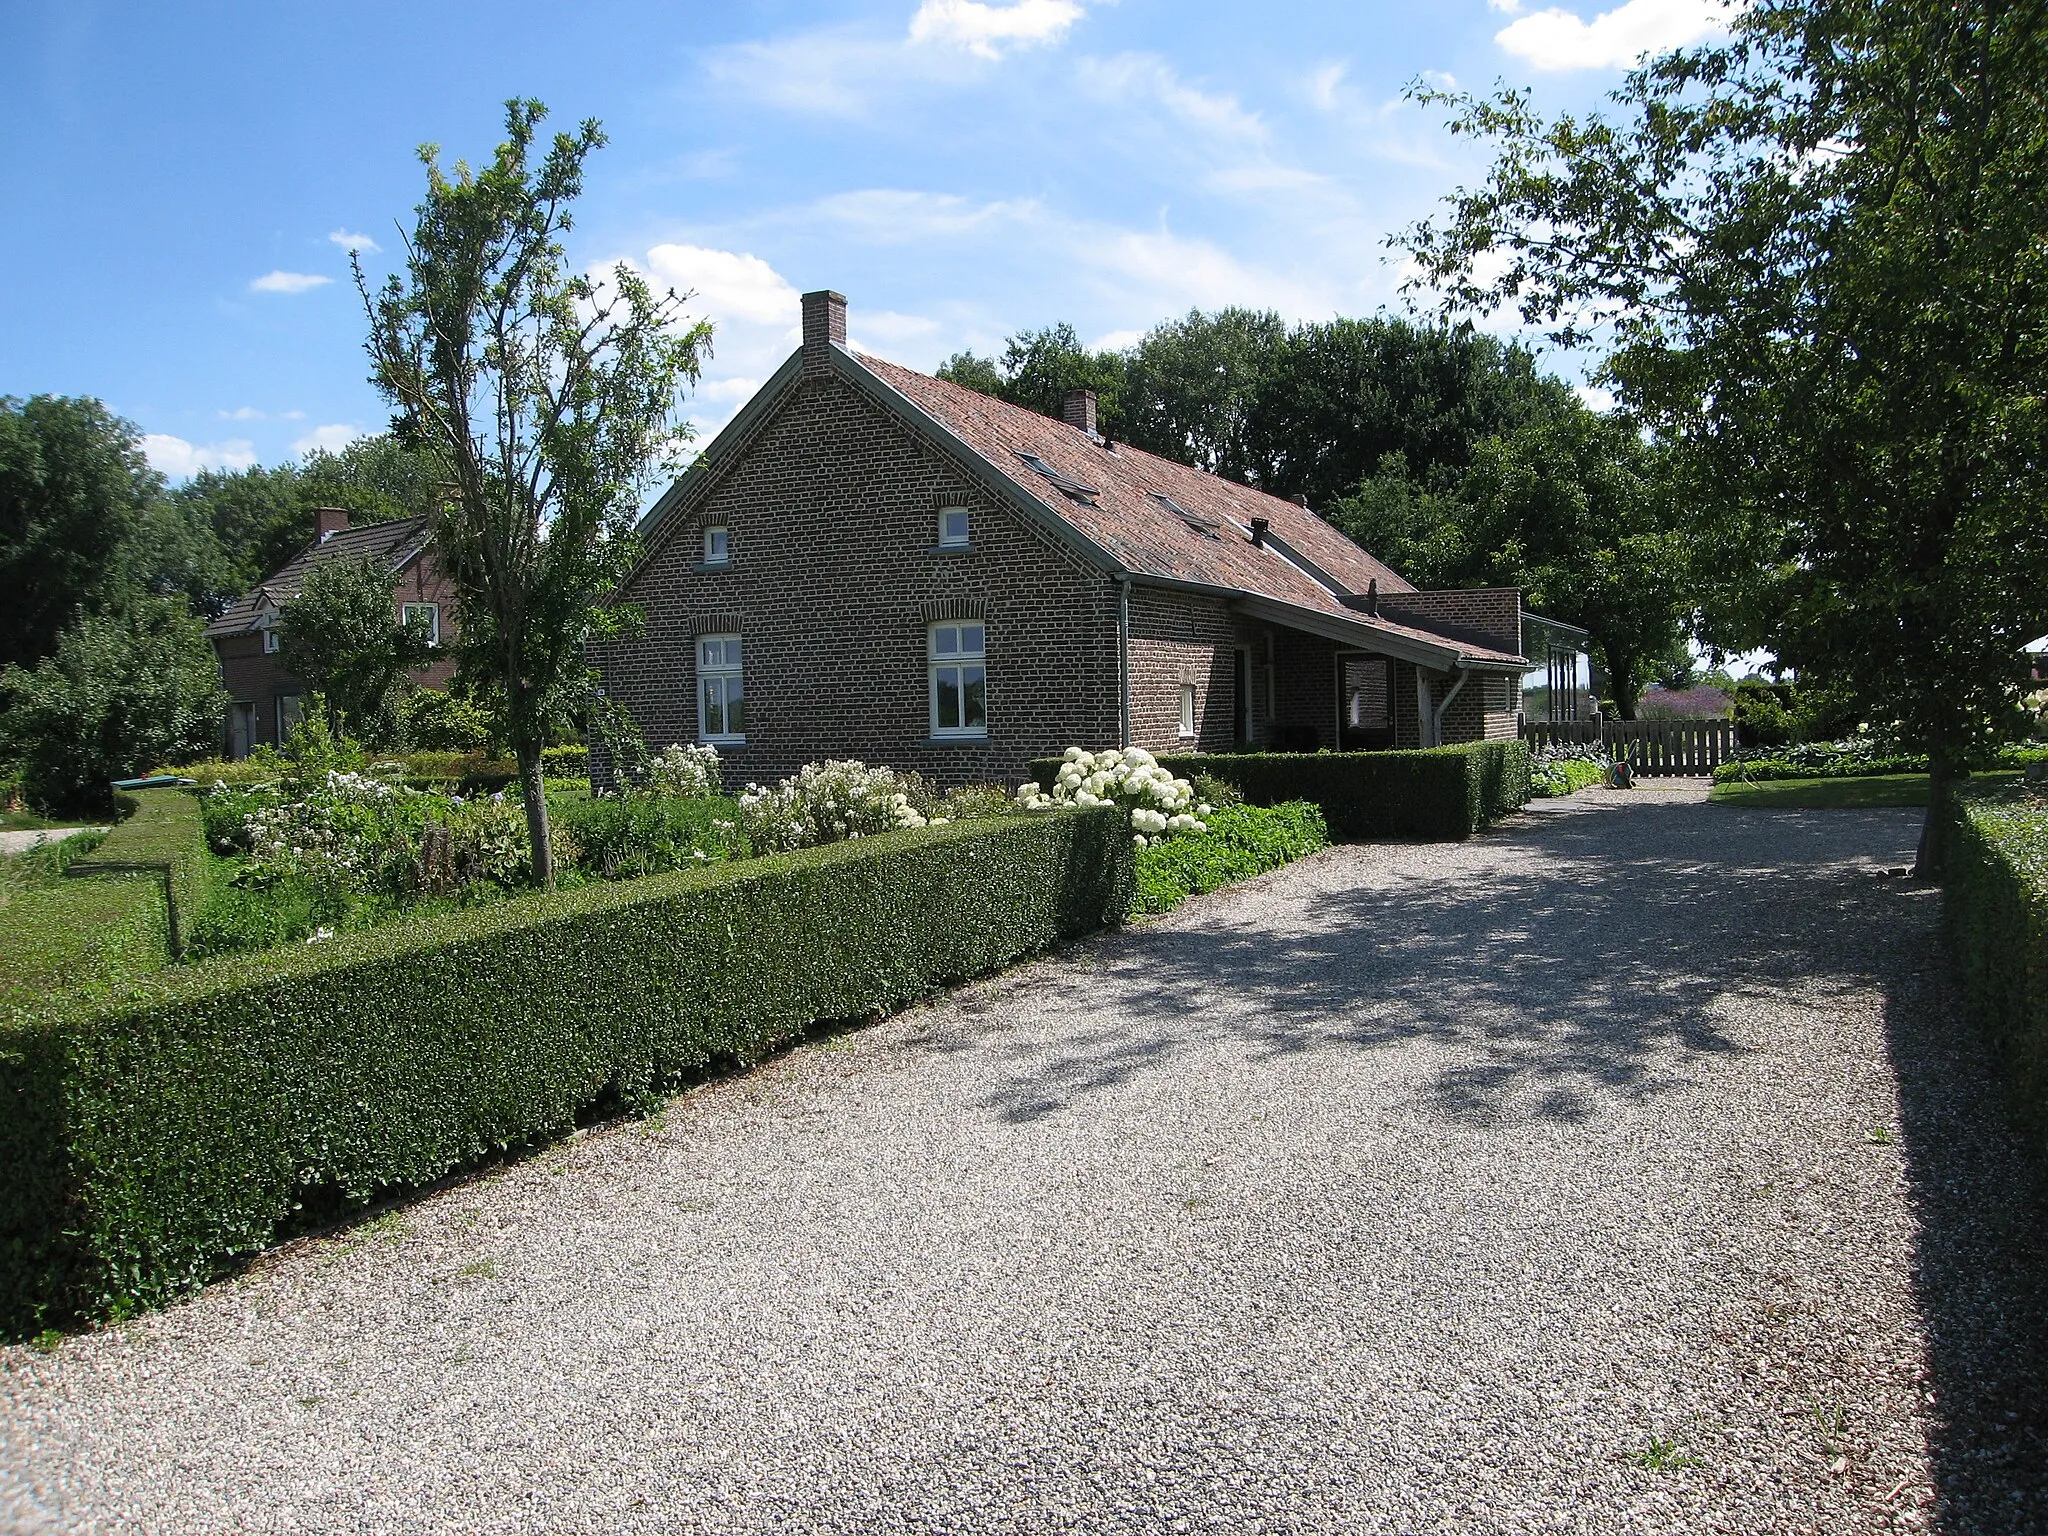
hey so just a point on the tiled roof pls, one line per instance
(1159, 518)
(393, 543)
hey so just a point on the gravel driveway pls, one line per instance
(1626, 1169)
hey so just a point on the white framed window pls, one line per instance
(721, 692)
(1187, 709)
(426, 613)
(717, 545)
(959, 679)
(953, 528)
(271, 640)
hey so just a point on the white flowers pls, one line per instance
(689, 773)
(826, 802)
(1158, 803)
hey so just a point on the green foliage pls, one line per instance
(342, 638)
(1553, 777)
(1815, 251)
(162, 1132)
(1859, 757)
(1995, 902)
(73, 490)
(125, 689)
(548, 400)
(1443, 794)
(91, 911)
(429, 720)
(641, 834)
(1241, 841)
(565, 762)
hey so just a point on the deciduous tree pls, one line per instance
(341, 637)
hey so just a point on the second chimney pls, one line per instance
(1078, 409)
(327, 522)
(824, 328)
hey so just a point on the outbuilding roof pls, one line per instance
(394, 544)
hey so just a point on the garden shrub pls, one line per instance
(1239, 841)
(571, 762)
(1158, 804)
(155, 1135)
(1564, 769)
(1440, 794)
(1995, 903)
(647, 834)
(828, 802)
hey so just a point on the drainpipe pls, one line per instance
(1436, 724)
(1123, 660)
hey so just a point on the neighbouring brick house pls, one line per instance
(265, 699)
(869, 562)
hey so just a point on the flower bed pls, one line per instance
(1562, 770)
(1239, 841)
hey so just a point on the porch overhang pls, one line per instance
(1436, 655)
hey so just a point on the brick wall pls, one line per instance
(831, 512)
(1182, 639)
(1488, 616)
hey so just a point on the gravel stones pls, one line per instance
(1561, 1180)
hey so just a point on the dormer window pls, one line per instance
(952, 528)
(717, 547)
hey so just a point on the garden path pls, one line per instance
(21, 841)
(1624, 1169)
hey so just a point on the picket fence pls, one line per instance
(1660, 748)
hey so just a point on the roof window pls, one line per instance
(1201, 522)
(1073, 489)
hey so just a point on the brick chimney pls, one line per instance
(1078, 409)
(824, 325)
(327, 522)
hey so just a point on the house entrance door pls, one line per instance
(1365, 702)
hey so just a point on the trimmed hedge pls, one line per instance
(167, 837)
(1995, 902)
(150, 1138)
(1242, 841)
(1440, 794)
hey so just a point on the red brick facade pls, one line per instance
(1113, 609)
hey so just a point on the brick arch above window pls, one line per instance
(954, 608)
(716, 624)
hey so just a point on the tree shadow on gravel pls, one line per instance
(1980, 1192)
(1570, 957)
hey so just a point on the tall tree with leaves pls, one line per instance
(341, 637)
(549, 400)
(1814, 256)
(74, 489)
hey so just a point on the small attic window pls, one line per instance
(1201, 522)
(1071, 488)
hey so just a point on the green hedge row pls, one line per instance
(165, 837)
(1242, 841)
(1441, 794)
(150, 1138)
(1995, 901)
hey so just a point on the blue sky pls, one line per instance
(183, 180)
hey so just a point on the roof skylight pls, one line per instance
(1072, 488)
(1201, 522)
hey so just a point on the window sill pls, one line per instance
(710, 567)
(950, 549)
(721, 741)
(955, 741)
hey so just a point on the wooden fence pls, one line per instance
(1663, 748)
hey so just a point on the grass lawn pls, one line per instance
(1876, 792)
(28, 821)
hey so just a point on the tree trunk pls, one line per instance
(535, 795)
(1931, 861)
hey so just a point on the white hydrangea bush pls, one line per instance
(686, 772)
(326, 833)
(827, 802)
(1158, 804)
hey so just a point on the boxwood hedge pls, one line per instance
(149, 1138)
(1440, 794)
(1995, 901)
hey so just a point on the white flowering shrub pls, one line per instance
(330, 831)
(1158, 804)
(688, 773)
(827, 802)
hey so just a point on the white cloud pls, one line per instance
(1116, 341)
(1323, 84)
(729, 285)
(1594, 398)
(1508, 7)
(330, 439)
(891, 216)
(242, 413)
(287, 282)
(1556, 39)
(1133, 78)
(181, 460)
(985, 30)
(349, 242)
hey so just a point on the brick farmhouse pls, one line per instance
(869, 562)
(265, 699)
